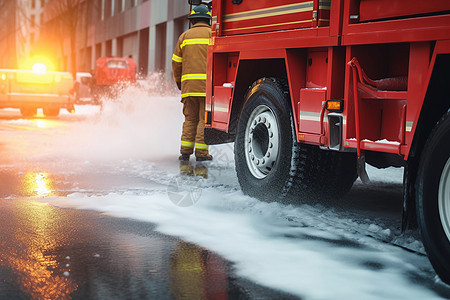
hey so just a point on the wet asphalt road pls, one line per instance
(48, 252)
(52, 253)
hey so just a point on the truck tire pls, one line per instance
(271, 165)
(433, 198)
(51, 111)
(28, 112)
(323, 175)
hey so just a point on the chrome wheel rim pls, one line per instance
(444, 199)
(261, 141)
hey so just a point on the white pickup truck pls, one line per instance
(29, 90)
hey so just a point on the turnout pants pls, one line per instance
(193, 127)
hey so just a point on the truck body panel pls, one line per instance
(404, 45)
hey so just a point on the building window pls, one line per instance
(33, 21)
(103, 9)
(33, 4)
(98, 50)
(123, 5)
(42, 3)
(108, 10)
(41, 18)
(98, 9)
(113, 2)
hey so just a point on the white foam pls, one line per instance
(308, 259)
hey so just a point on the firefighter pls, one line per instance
(189, 71)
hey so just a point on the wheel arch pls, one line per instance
(435, 105)
(249, 71)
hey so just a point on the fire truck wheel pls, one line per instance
(28, 112)
(264, 141)
(272, 165)
(433, 198)
(51, 111)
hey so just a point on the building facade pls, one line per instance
(77, 32)
(145, 30)
(21, 25)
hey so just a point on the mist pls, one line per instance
(143, 122)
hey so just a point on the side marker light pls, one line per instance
(335, 105)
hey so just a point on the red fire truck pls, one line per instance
(311, 91)
(109, 71)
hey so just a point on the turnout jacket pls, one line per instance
(189, 60)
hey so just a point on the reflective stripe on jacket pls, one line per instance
(189, 60)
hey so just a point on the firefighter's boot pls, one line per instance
(207, 157)
(184, 157)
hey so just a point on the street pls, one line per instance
(95, 205)
(51, 253)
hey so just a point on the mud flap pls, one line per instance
(361, 169)
(409, 216)
(214, 136)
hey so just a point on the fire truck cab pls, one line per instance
(109, 71)
(310, 91)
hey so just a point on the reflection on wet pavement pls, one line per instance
(197, 274)
(28, 240)
(194, 169)
(37, 184)
(52, 253)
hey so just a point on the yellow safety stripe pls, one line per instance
(270, 11)
(201, 146)
(177, 58)
(187, 144)
(194, 42)
(267, 26)
(193, 95)
(193, 77)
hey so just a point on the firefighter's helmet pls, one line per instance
(200, 12)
